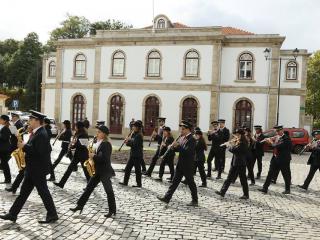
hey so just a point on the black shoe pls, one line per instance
(214, 170)
(170, 181)
(6, 182)
(258, 176)
(51, 179)
(244, 197)
(136, 186)
(9, 217)
(49, 220)
(123, 184)
(265, 191)
(208, 176)
(252, 184)
(302, 187)
(273, 181)
(58, 184)
(143, 172)
(193, 204)
(158, 179)
(203, 185)
(162, 199)
(219, 193)
(77, 208)
(168, 178)
(218, 177)
(109, 215)
(11, 190)
(184, 182)
(286, 192)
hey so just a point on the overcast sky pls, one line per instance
(298, 20)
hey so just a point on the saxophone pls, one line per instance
(18, 154)
(89, 164)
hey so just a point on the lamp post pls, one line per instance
(267, 53)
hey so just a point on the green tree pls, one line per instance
(107, 25)
(313, 87)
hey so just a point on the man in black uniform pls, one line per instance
(185, 167)
(225, 138)
(314, 159)
(5, 147)
(37, 167)
(215, 136)
(280, 160)
(258, 151)
(157, 136)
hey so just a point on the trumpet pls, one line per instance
(234, 141)
(130, 134)
(89, 164)
(170, 148)
(313, 143)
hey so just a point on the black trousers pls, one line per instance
(167, 161)
(153, 161)
(143, 165)
(212, 154)
(40, 182)
(17, 181)
(107, 185)
(223, 159)
(136, 163)
(250, 164)
(61, 154)
(232, 175)
(69, 170)
(258, 159)
(51, 168)
(176, 181)
(5, 157)
(312, 171)
(200, 166)
(274, 169)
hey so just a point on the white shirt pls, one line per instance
(97, 145)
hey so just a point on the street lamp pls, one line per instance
(267, 52)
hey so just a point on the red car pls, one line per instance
(299, 137)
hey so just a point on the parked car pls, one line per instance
(299, 137)
(54, 128)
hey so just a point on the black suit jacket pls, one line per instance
(186, 158)
(5, 135)
(48, 129)
(283, 148)
(37, 153)
(65, 137)
(200, 148)
(136, 144)
(81, 153)
(258, 146)
(314, 158)
(240, 153)
(225, 133)
(102, 160)
(217, 139)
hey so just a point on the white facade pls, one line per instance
(216, 90)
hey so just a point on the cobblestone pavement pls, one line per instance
(141, 216)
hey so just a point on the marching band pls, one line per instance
(33, 158)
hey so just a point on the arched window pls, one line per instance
(52, 69)
(245, 66)
(190, 111)
(80, 66)
(191, 64)
(116, 111)
(78, 109)
(153, 64)
(243, 114)
(161, 23)
(292, 70)
(152, 106)
(118, 64)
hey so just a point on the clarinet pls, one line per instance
(170, 148)
(130, 134)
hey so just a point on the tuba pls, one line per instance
(18, 154)
(89, 164)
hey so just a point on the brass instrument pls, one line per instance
(89, 164)
(170, 148)
(18, 154)
(130, 134)
(313, 143)
(234, 141)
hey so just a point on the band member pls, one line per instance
(65, 138)
(37, 167)
(215, 136)
(157, 136)
(314, 159)
(169, 158)
(280, 160)
(103, 172)
(200, 158)
(239, 147)
(136, 154)
(18, 180)
(185, 167)
(258, 151)
(18, 124)
(47, 126)
(131, 124)
(86, 123)
(80, 154)
(5, 147)
(249, 161)
(225, 137)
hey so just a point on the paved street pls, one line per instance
(141, 216)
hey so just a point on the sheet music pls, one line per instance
(13, 130)
(84, 142)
